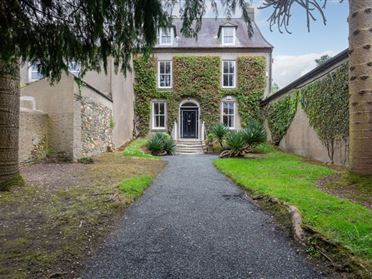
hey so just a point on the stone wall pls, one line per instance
(33, 139)
(95, 123)
(96, 131)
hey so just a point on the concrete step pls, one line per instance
(189, 142)
(190, 147)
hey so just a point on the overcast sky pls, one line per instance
(294, 54)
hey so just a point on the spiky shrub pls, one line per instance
(161, 144)
(254, 133)
(235, 142)
(156, 143)
(170, 146)
(219, 131)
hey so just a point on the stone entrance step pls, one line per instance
(189, 147)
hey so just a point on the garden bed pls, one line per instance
(53, 224)
(329, 220)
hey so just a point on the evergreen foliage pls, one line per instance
(326, 102)
(161, 144)
(280, 115)
(54, 33)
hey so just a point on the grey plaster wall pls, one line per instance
(301, 139)
(123, 107)
(57, 101)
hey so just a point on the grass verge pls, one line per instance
(136, 149)
(292, 180)
(135, 186)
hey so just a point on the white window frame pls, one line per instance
(234, 113)
(170, 74)
(153, 115)
(30, 71)
(161, 30)
(234, 73)
(223, 35)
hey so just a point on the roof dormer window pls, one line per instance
(166, 36)
(228, 35)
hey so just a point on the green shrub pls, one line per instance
(170, 146)
(235, 141)
(254, 133)
(161, 144)
(219, 131)
(241, 142)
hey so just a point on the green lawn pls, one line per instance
(289, 178)
(135, 149)
(135, 186)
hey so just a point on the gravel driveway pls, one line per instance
(194, 223)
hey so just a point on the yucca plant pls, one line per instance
(219, 131)
(155, 144)
(161, 144)
(254, 133)
(170, 146)
(235, 143)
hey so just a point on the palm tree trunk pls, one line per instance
(9, 122)
(360, 86)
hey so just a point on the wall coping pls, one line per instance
(323, 68)
(84, 83)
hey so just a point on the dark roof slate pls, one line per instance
(208, 35)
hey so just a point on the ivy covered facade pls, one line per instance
(189, 84)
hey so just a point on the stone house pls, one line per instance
(219, 77)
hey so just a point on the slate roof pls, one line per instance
(208, 35)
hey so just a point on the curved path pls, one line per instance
(194, 223)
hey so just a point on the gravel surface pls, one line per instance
(195, 223)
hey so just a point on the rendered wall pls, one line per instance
(301, 139)
(123, 107)
(57, 101)
(33, 139)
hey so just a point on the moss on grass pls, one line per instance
(14, 181)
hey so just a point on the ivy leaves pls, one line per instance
(326, 102)
(199, 77)
(280, 115)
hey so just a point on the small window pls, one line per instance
(159, 115)
(228, 74)
(74, 68)
(228, 35)
(165, 36)
(165, 74)
(228, 114)
(33, 73)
